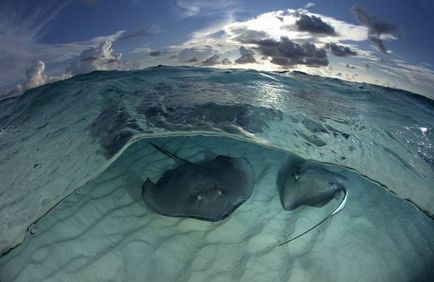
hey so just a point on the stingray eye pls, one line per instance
(296, 177)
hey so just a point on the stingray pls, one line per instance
(304, 183)
(208, 190)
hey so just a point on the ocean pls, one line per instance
(74, 155)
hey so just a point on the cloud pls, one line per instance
(35, 75)
(139, 50)
(200, 53)
(186, 9)
(95, 58)
(418, 79)
(155, 53)
(378, 43)
(226, 61)
(273, 25)
(62, 76)
(314, 24)
(191, 8)
(288, 53)
(292, 38)
(213, 60)
(20, 18)
(244, 35)
(339, 50)
(153, 29)
(12, 92)
(376, 27)
(247, 56)
(131, 35)
(21, 28)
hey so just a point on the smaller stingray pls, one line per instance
(304, 183)
(208, 190)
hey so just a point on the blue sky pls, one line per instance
(383, 42)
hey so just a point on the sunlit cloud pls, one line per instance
(35, 75)
(20, 46)
(283, 23)
(100, 57)
(344, 43)
(20, 30)
(273, 26)
(292, 39)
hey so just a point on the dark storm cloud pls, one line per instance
(314, 24)
(376, 27)
(339, 50)
(288, 53)
(213, 60)
(247, 56)
(247, 35)
(378, 43)
(155, 53)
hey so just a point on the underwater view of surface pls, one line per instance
(194, 174)
(226, 141)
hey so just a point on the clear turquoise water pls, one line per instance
(80, 146)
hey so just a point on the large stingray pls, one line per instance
(304, 183)
(208, 190)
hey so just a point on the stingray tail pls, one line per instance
(338, 209)
(169, 154)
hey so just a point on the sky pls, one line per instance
(384, 42)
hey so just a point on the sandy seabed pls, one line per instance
(104, 231)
